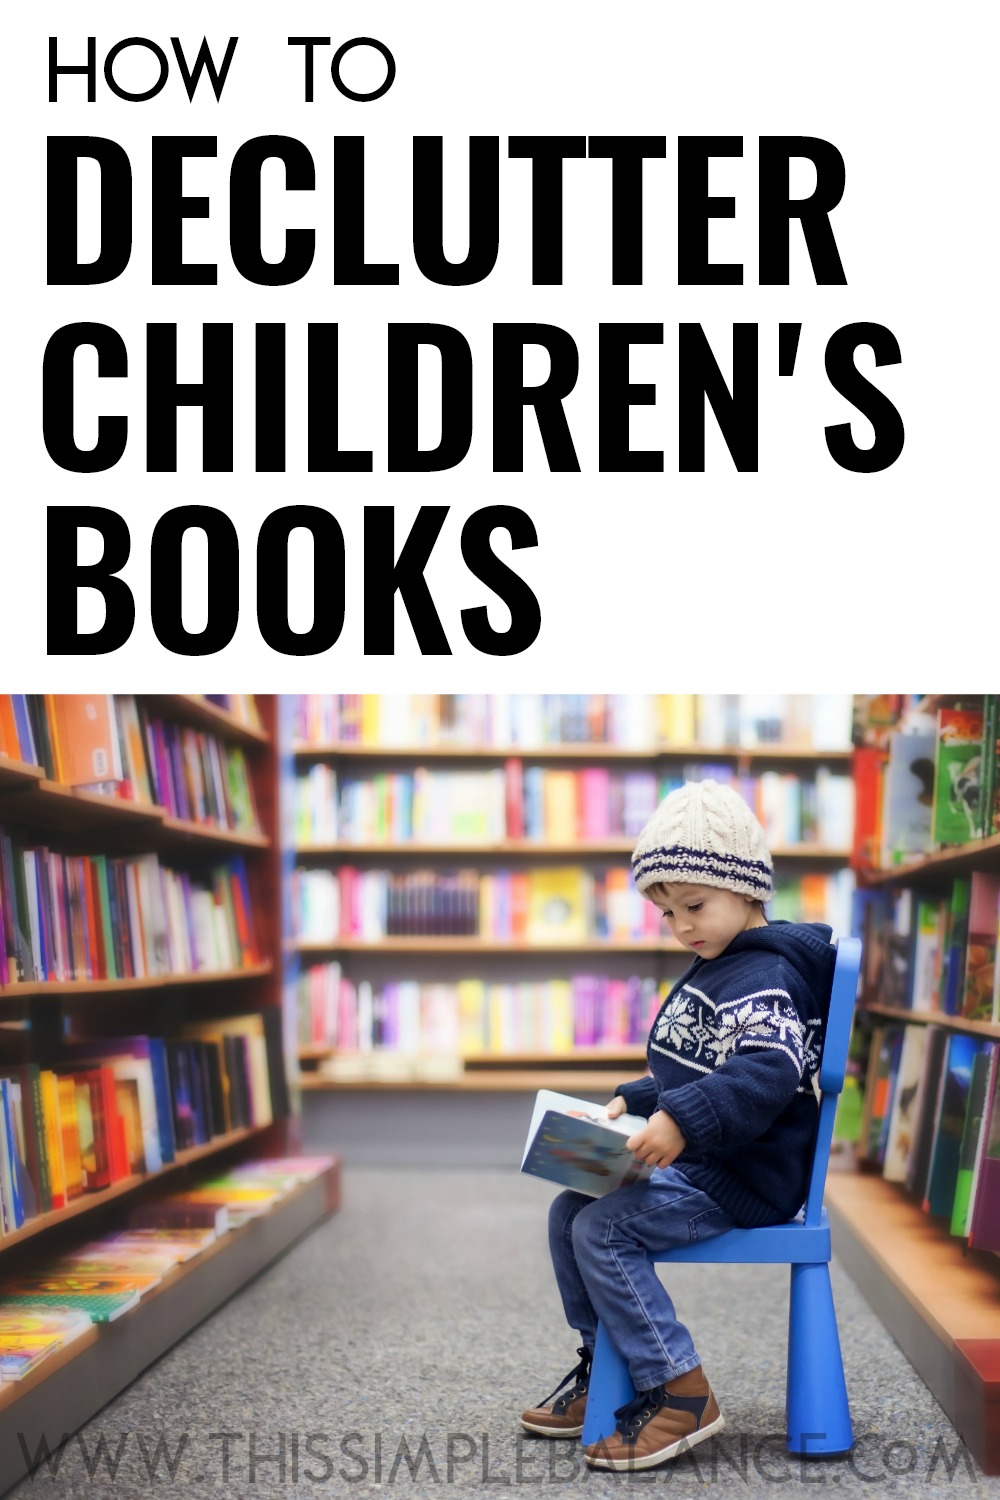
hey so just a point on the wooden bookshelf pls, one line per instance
(432, 957)
(931, 1018)
(478, 945)
(534, 849)
(596, 751)
(940, 1303)
(982, 854)
(509, 1081)
(66, 1391)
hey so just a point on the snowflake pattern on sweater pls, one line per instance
(694, 1031)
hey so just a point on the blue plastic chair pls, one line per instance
(817, 1414)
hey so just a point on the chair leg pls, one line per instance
(816, 1406)
(610, 1386)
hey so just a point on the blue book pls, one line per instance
(10, 1172)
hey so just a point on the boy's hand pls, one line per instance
(616, 1107)
(659, 1142)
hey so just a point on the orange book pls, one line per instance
(9, 743)
(85, 729)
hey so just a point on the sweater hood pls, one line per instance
(807, 946)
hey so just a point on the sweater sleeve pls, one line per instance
(640, 1096)
(763, 1041)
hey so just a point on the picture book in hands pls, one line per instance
(577, 1144)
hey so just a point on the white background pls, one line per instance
(801, 577)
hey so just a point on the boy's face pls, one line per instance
(704, 918)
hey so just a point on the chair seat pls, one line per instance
(794, 1243)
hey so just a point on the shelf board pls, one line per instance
(940, 1303)
(982, 854)
(931, 1018)
(590, 751)
(18, 774)
(175, 831)
(34, 801)
(580, 1055)
(57, 988)
(73, 1385)
(577, 849)
(512, 1080)
(486, 946)
(86, 1202)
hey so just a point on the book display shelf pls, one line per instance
(918, 1223)
(463, 911)
(87, 968)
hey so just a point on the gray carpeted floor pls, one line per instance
(397, 1344)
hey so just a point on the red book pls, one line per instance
(514, 798)
(92, 915)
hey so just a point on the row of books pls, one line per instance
(80, 917)
(931, 951)
(114, 1107)
(112, 743)
(545, 905)
(933, 782)
(931, 1121)
(643, 721)
(46, 1308)
(474, 1017)
(557, 805)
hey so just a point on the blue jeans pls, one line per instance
(599, 1249)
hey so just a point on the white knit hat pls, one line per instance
(704, 834)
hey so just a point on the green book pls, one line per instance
(970, 1140)
(957, 771)
(101, 1298)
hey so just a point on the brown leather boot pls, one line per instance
(564, 1419)
(659, 1425)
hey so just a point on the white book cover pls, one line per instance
(575, 1143)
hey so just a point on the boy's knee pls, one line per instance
(590, 1227)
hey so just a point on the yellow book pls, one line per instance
(559, 806)
(557, 905)
(370, 718)
(676, 718)
(559, 1015)
(472, 1032)
(53, 1137)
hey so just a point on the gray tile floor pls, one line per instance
(397, 1344)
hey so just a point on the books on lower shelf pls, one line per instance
(99, 1280)
(113, 1108)
(931, 1121)
(96, 917)
(574, 1143)
(470, 1018)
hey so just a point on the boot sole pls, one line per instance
(649, 1460)
(552, 1432)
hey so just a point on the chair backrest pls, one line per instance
(833, 1064)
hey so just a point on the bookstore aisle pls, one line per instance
(421, 1319)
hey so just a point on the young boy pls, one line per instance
(731, 1108)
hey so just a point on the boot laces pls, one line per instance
(579, 1375)
(638, 1411)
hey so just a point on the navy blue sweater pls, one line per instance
(733, 1053)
